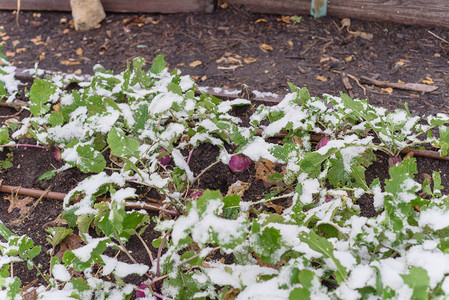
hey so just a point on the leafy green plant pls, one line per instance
(318, 247)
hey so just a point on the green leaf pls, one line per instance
(122, 145)
(299, 293)
(57, 235)
(40, 93)
(159, 64)
(323, 246)
(90, 161)
(231, 206)
(79, 284)
(203, 202)
(174, 88)
(4, 136)
(418, 280)
(56, 118)
(267, 243)
(48, 175)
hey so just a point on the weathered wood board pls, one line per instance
(420, 12)
(142, 6)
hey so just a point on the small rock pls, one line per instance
(87, 14)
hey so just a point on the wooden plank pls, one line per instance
(419, 12)
(142, 6)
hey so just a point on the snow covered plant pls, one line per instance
(211, 246)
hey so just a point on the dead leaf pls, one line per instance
(268, 265)
(238, 188)
(20, 50)
(322, 78)
(5, 38)
(195, 63)
(10, 53)
(346, 22)
(437, 55)
(224, 5)
(15, 43)
(59, 54)
(42, 56)
(348, 59)
(285, 19)
(37, 40)
(71, 242)
(290, 43)
(65, 31)
(79, 52)
(400, 63)
(266, 47)
(37, 15)
(249, 60)
(264, 170)
(203, 78)
(298, 141)
(70, 62)
(387, 90)
(21, 204)
(400, 81)
(261, 21)
(77, 72)
(324, 59)
(62, 20)
(103, 49)
(277, 208)
(428, 81)
(231, 294)
(228, 68)
(32, 295)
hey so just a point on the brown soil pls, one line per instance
(301, 52)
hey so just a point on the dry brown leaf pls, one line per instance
(268, 265)
(20, 203)
(195, 63)
(37, 40)
(5, 38)
(437, 55)
(261, 21)
(203, 78)
(264, 169)
(285, 19)
(249, 60)
(298, 141)
(65, 31)
(79, 52)
(42, 56)
(224, 5)
(71, 242)
(239, 188)
(277, 208)
(37, 15)
(20, 50)
(70, 62)
(366, 35)
(346, 22)
(228, 68)
(266, 47)
(348, 58)
(77, 72)
(10, 53)
(290, 43)
(62, 20)
(428, 81)
(321, 78)
(325, 59)
(15, 43)
(400, 63)
(387, 90)
(231, 294)
(400, 81)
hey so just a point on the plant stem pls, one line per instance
(205, 170)
(24, 145)
(146, 248)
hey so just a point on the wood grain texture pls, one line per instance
(142, 6)
(419, 12)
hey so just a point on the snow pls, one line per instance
(258, 149)
(435, 218)
(180, 162)
(121, 269)
(60, 273)
(84, 253)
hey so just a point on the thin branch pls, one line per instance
(60, 196)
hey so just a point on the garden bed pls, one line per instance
(334, 197)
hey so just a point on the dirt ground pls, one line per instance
(226, 49)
